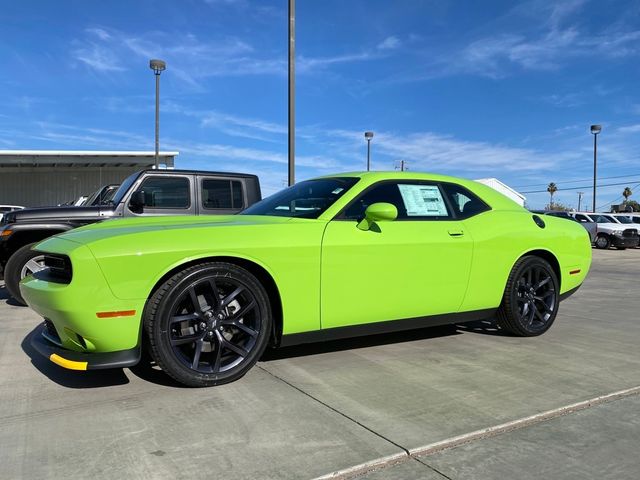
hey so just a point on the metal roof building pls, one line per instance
(36, 178)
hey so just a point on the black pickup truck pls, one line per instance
(148, 192)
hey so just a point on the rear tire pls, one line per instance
(208, 324)
(531, 297)
(23, 262)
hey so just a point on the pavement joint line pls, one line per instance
(431, 467)
(453, 442)
(517, 424)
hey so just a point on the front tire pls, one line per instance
(603, 242)
(208, 324)
(531, 297)
(23, 262)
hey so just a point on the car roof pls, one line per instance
(199, 172)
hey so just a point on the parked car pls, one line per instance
(103, 195)
(610, 233)
(145, 193)
(590, 227)
(327, 258)
(8, 208)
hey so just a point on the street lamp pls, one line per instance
(157, 66)
(368, 136)
(595, 130)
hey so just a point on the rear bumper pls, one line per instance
(73, 360)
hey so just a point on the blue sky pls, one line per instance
(474, 89)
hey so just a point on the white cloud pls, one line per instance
(389, 43)
(629, 129)
(98, 58)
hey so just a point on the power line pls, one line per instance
(583, 186)
(617, 199)
(576, 181)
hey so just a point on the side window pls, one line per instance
(581, 218)
(464, 203)
(166, 192)
(414, 201)
(222, 194)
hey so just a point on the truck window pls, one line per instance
(222, 194)
(166, 192)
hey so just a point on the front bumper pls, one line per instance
(85, 315)
(626, 242)
(80, 360)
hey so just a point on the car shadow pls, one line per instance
(358, 342)
(483, 327)
(4, 295)
(71, 378)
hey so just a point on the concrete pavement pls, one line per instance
(310, 410)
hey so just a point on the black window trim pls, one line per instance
(184, 177)
(452, 213)
(243, 189)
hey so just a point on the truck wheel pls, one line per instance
(208, 324)
(602, 241)
(530, 301)
(23, 262)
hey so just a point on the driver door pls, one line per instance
(417, 265)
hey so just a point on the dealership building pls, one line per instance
(37, 178)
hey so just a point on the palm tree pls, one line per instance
(626, 194)
(552, 188)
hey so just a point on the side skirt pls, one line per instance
(384, 327)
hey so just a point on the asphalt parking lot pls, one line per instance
(416, 405)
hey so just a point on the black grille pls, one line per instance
(630, 232)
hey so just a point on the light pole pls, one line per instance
(580, 194)
(368, 136)
(157, 66)
(595, 130)
(292, 91)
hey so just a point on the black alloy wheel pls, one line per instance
(531, 298)
(208, 324)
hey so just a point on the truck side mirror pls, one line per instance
(136, 202)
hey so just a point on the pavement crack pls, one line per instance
(333, 409)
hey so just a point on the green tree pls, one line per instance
(626, 194)
(552, 188)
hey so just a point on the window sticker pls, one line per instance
(423, 201)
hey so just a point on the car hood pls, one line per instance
(52, 214)
(132, 226)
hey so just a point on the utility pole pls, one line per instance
(403, 166)
(292, 91)
(580, 194)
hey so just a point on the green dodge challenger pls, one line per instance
(332, 257)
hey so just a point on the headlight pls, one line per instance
(618, 233)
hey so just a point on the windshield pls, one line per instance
(306, 199)
(124, 188)
(602, 219)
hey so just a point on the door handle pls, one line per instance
(456, 233)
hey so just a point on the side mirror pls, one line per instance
(136, 202)
(378, 212)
